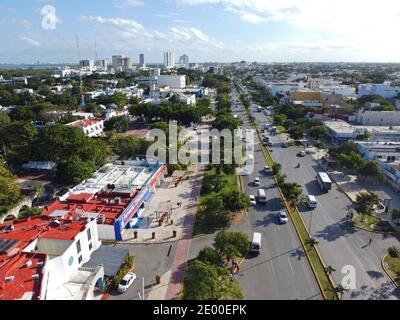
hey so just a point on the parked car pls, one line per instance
(126, 282)
(301, 154)
(266, 169)
(283, 218)
(257, 182)
(253, 200)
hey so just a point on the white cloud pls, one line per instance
(339, 16)
(30, 41)
(178, 37)
(124, 4)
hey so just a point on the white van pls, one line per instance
(312, 202)
(262, 198)
(255, 248)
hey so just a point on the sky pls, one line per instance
(50, 31)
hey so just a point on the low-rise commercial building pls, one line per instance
(378, 118)
(115, 196)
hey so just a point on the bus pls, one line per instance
(324, 181)
(262, 198)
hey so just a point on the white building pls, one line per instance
(384, 90)
(91, 128)
(87, 65)
(169, 60)
(44, 257)
(172, 81)
(378, 118)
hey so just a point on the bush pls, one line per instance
(394, 252)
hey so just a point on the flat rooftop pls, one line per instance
(91, 205)
(344, 126)
(126, 176)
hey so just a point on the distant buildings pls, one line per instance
(384, 90)
(93, 65)
(142, 62)
(184, 60)
(169, 60)
(14, 81)
(121, 63)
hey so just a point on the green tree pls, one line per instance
(318, 132)
(235, 200)
(128, 147)
(293, 192)
(74, 170)
(279, 119)
(119, 124)
(232, 244)
(371, 170)
(204, 281)
(9, 188)
(296, 133)
(210, 255)
(366, 202)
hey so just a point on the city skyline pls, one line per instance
(265, 31)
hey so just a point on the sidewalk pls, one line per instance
(159, 292)
(182, 251)
(167, 196)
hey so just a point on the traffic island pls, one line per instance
(373, 224)
(391, 265)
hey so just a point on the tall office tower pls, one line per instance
(169, 60)
(184, 59)
(116, 61)
(121, 62)
(142, 63)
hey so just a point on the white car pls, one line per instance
(266, 169)
(257, 182)
(283, 218)
(253, 200)
(126, 282)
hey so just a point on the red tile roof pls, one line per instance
(85, 123)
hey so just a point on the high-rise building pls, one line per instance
(121, 62)
(169, 60)
(142, 63)
(184, 59)
(87, 64)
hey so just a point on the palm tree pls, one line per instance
(312, 242)
(340, 290)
